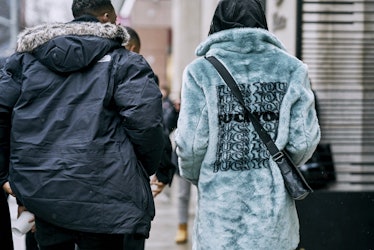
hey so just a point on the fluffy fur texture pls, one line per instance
(242, 201)
(33, 37)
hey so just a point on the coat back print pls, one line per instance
(239, 146)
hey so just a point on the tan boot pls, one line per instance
(182, 234)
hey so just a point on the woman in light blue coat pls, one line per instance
(242, 200)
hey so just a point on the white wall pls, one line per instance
(43, 11)
(281, 16)
(190, 23)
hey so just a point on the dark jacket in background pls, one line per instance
(168, 167)
(86, 129)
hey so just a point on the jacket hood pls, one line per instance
(67, 47)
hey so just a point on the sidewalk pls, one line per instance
(163, 226)
(166, 221)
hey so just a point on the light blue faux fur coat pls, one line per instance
(242, 201)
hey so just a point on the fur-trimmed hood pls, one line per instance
(67, 47)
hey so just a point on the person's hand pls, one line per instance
(156, 186)
(22, 209)
(33, 229)
(7, 189)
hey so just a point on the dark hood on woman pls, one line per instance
(238, 14)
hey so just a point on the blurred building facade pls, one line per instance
(11, 22)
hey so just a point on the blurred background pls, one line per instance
(334, 38)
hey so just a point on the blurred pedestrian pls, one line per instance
(86, 131)
(242, 200)
(184, 198)
(134, 43)
(171, 113)
(165, 172)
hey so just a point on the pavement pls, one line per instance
(164, 225)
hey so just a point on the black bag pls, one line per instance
(294, 181)
(296, 185)
(319, 170)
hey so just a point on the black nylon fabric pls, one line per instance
(66, 54)
(238, 14)
(84, 142)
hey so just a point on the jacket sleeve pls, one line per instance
(138, 98)
(167, 168)
(299, 119)
(9, 93)
(192, 130)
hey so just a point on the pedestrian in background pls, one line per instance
(165, 172)
(242, 200)
(171, 113)
(86, 131)
(184, 198)
(134, 43)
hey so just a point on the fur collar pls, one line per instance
(33, 37)
(242, 40)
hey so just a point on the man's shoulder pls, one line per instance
(122, 54)
(125, 58)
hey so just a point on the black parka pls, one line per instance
(85, 129)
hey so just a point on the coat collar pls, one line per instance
(241, 40)
(33, 37)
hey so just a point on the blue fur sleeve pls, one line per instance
(299, 131)
(192, 130)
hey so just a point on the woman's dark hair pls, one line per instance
(90, 7)
(238, 14)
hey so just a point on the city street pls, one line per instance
(163, 228)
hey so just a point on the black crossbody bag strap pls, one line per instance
(227, 77)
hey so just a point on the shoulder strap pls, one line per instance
(227, 77)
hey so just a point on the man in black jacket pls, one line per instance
(86, 131)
